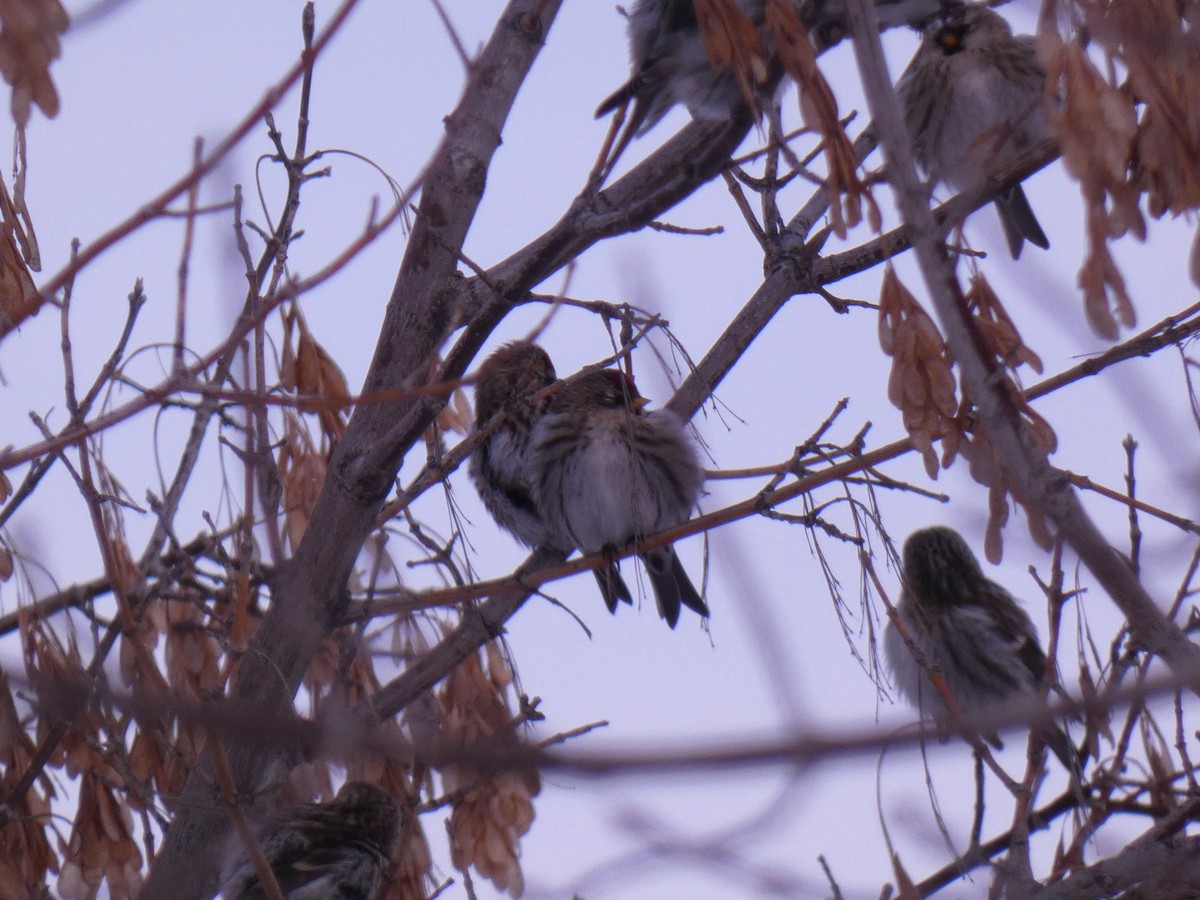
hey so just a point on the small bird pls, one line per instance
(513, 388)
(972, 101)
(672, 62)
(326, 851)
(608, 473)
(972, 631)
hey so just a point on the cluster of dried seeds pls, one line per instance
(26, 856)
(29, 42)
(490, 812)
(924, 388)
(922, 384)
(819, 112)
(1123, 80)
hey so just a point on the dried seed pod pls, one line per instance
(921, 384)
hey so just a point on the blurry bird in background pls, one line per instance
(718, 56)
(973, 105)
(972, 632)
(712, 64)
(512, 387)
(608, 473)
(325, 851)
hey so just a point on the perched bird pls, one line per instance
(510, 388)
(972, 631)
(326, 851)
(972, 99)
(716, 62)
(608, 473)
(672, 62)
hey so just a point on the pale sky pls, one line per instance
(140, 84)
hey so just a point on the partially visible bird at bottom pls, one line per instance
(972, 631)
(973, 105)
(608, 473)
(325, 851)
(513, 390)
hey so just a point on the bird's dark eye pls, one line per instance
(950, 38)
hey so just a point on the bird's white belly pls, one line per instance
(613, 503)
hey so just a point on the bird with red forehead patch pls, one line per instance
(608, 473)
(512, 393)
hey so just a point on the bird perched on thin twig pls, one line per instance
(326, 851)
(972, 632)
(973, 105)
(608, 473)
(513, 390)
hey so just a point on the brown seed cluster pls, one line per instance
(819, 110)
(922, 384)
(490, 812)
(924, 388)
(101, 847)
(1001, 339)
(730, 39)
(996, 329)
(307, 369)
(302, 467)
(1123, 81)
(29, 32)
(25, 853)
(19, 296)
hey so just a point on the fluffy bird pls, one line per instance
(512, 389)
(609, 473)
(972, 631)
(672, 63)
(972, 99)
(326, 851)
(726, 58)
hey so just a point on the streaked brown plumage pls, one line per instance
(608, 473)
(513, 385)
(326, 851)
(509, 382)
(972, 630)
(972, 99)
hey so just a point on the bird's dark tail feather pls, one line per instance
(687, 591)
(672, 587)
(621, 95)
(1020, 224)
(1060, 745)
(612, 586)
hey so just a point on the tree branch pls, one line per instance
(310, 591)
(1041, 486)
